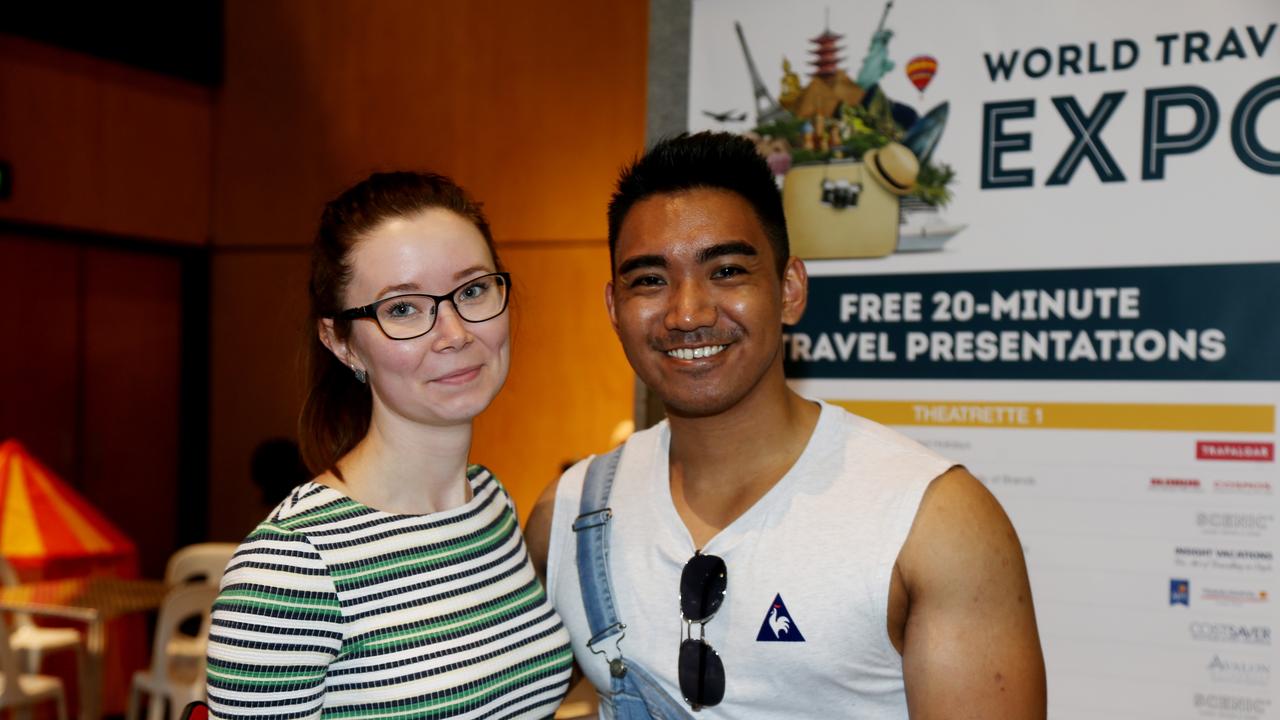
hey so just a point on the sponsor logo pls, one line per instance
(1185, 484)
(1203, 558)
(1179, 592)
(1011, 480)
(1241, 451)
(1242, 487)
(1234, 523)
(1236, 706)
(1234, 671)
(1225, 632)
(1233, 596)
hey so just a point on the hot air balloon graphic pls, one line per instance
(921, 69)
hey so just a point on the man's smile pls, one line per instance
(694, 353)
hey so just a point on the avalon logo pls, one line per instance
(1239, 672)
(1230, 633)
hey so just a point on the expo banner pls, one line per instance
(1044, 239)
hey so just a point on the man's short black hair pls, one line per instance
(712, 160)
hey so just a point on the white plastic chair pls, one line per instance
(25, 690)
(202, 560)
(31, 642)
(172, 678)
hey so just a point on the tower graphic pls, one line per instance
(767, 109)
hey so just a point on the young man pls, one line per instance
(773, 556)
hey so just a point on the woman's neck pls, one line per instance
(407, 467)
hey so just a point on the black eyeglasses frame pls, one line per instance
(371, 310)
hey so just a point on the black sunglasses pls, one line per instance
(702, 586)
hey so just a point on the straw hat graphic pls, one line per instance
(894, 166)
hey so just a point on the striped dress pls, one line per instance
(331, 609)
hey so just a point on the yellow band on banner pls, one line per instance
(1069, 416)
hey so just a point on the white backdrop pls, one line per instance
(1142, 479)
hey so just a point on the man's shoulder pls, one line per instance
(856, 434)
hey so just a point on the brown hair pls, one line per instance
(335, 415)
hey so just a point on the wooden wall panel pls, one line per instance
(38, 364)
(259, 306)
(570, 384)
(531, 106)
(132, 316)
(102, 147)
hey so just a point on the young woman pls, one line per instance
(396, 583)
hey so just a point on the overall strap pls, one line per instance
(592, 527)
(634, 693)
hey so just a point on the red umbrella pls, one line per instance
(47, 529)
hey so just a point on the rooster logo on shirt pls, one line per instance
(778, 625)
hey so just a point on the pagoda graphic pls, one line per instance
(829, 86)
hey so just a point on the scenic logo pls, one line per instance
(1231, 706)
(1232, 633)
(1229, 670)
(1242, 524)
(858, 173)
(1175, 484)
(1238, 451)
(1180, 592)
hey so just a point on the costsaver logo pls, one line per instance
(1225, 632)
(1238, 451)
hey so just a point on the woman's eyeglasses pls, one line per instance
(702, 586)
(405, 317)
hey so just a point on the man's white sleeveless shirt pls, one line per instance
(802, 631)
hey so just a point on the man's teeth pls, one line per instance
(692, 353)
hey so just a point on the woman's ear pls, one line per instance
(340, 347)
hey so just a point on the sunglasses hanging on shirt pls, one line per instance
(702, 586)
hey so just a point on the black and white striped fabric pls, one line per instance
(331, 609)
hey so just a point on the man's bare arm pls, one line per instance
(970, 646)
(537, 531)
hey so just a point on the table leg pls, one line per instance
(91, 693)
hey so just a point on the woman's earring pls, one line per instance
(362, 377)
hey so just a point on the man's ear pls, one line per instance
(608, 303)
(795, 290)
(340, 348)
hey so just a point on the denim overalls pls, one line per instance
(633, 692)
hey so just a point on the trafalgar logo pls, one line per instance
(1244, 524)
(1234, 671)
(1240, 451)
(1174, 484)
(1225, 632)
